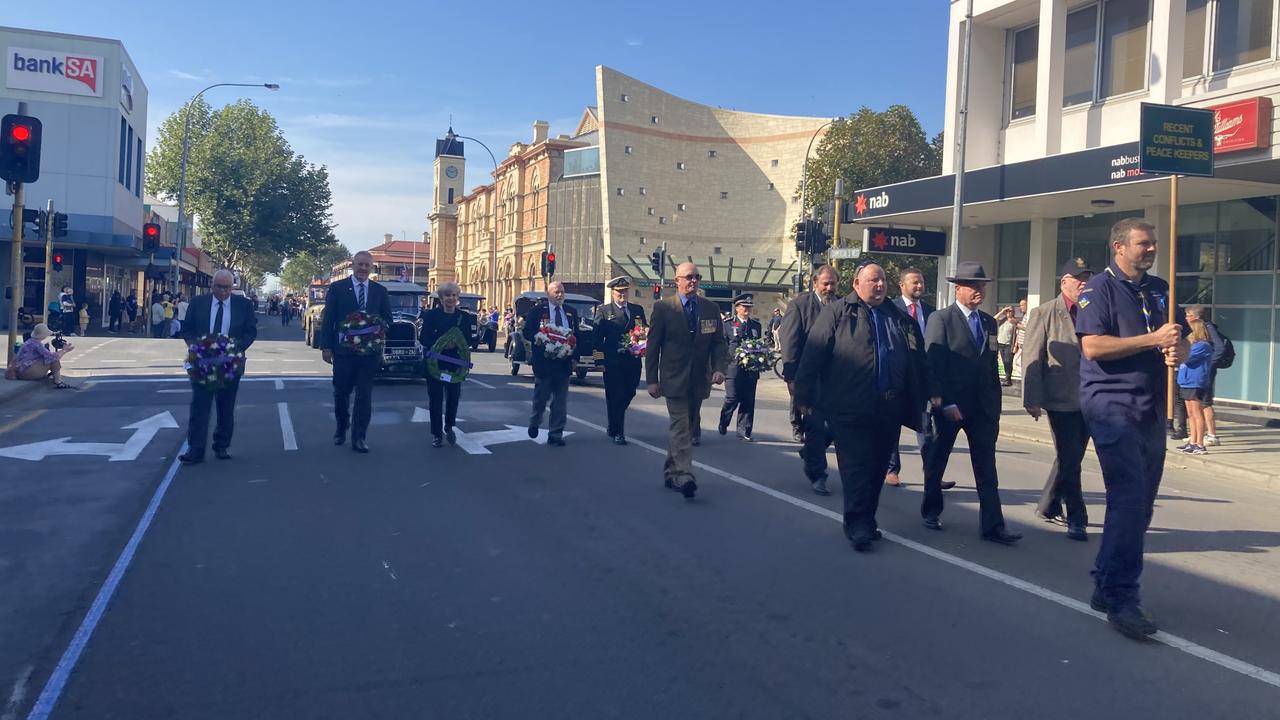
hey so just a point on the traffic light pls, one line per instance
(41, 222)
(150, 237)
(819, 240)
(657, 291)
(797, 282)
(802, 236)
(59, 224)
(551, 264)
(20, 148)
(57, 262)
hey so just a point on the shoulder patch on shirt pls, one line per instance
(1083, 301)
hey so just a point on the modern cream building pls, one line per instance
(1056, 90)
(641, 168)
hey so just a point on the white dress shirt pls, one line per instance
(226, 317)
(919, 313)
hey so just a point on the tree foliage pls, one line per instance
(868, 149)
(303, 267)
(257, 200)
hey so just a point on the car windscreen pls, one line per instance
(404, 302)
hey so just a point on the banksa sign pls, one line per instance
(56, 72)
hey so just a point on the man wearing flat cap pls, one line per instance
(960, 344)
(615, 320)
(1051, 384)
(739, 382)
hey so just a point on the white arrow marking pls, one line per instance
(143, 432)
(478, 443)
(421, 415)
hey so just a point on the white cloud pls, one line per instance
(633, 42)
(181, 75)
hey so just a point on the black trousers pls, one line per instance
(895, 457)
(982, 433)
(1070, 440)
(621, 378)
(354, 372)
(817, 438)
(740, 395)
(115, 322)
(797, 420)
(862, 449)
(202, 403)
(1006, 358)
(443, 400)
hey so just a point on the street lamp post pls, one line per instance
(804, 170)
(493, 254)
(182, 173)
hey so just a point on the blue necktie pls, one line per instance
(691, 312)
(975, 326)
(884, 348)
(360, 295)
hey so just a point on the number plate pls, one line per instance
(401, 352)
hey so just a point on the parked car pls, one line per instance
(469, 302)
(585, 332)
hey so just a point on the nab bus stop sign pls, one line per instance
(1176, 140)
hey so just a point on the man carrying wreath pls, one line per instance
(218, 314)
(550, 329)
(355, 309)
(615, 322)
(446, 330)
(740, 378)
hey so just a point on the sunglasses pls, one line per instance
(690, 278)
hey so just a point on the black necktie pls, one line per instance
(217, 319)
(560, 317)
(360, 294)
(691, 311)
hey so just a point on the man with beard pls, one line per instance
(910, 301)
(794, 331)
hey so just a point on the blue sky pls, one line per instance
(366, 87)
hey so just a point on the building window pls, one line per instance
(621, 192)
(651, 212)
(724, 195)
(123, 151)
(715, 251)
(644, 190)
(1022, 72)
(450, 201)
(1193, 38)
(770, 186)
(653, 119)
(711, 153)
(662, 221)
(128, 162)
(1013, 262)
(773, 163)
(681, 207)
(1241, 32)
(137, 177)
(626, 97)
(1079, 59)
(679, 166)
(643, 240)
(626, 149)
(1124, 46)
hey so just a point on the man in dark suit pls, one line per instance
(218, 314)
(1051, 383)
(793, 332)
(613, 321)
(687, 355)
(550, 374)
(960, 342)
(352, 370)
(911, 285)
(740, 383)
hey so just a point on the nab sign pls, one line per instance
(49, 71)
(903, 241)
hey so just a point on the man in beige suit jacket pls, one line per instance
(687, 354)
(1051, 382)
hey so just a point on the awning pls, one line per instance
(751, 274)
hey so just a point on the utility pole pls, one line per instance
(835, 221)
(48, 257)
(957, 212)
(15, 256)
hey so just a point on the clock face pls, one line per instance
(451, 172)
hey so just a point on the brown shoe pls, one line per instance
(892, 479)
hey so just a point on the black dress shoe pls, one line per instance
(669, 484)
(451, 436)
(1077, 532)
(339, 437)
(358, 444)
(533, 431)
(820, 486)
(861, 543)
(745, 438)
(188, 459)
(555, 442)
(724, 429)
(619, 440)
(1098, 601)
(689, 489)
(1132, 622)
(437, 442)
(1002, 536)
(222, 453)
(932, 522)
(695, 441)
(948, 484)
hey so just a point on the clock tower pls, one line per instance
(449, 179)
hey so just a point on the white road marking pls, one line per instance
(121, 360)
(268, 377)
(18, 695)
(143, 432)
(279, 384)
(286, 427)
(1174, 641)
(67, 663)
(483, 385)
(387, 566)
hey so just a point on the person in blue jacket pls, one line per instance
(1194, 378)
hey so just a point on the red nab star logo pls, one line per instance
(880, 240)
(860, 204)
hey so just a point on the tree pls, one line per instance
(302, 268)
(258, 202)
(867, 149)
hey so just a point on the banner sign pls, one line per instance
(56, 72)
(1242, 125)
(1176, 140)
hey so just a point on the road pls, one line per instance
(504, 578)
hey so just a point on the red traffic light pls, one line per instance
(151, 230)
(551, 257)
(20, 133)
(57, 258)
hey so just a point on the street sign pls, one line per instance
(904, 241)
(1176, 140)
(845, 253)
(143, 432)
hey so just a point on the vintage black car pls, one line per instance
(585, 332)
(402, 353)
(468, 302)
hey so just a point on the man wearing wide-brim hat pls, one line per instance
(960, 343)
(615, 320)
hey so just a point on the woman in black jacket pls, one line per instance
(435, 323)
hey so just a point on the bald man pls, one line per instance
(219, 313)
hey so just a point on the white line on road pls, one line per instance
(120, 360)
(279, 384)
(67, 663)
(286, 427)
(1174, 641)
(483, 385)
(181, 377)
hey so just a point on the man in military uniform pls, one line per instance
(740, 383)
(800, 316)
(1129, 336)
(614, 321)
(550, 374)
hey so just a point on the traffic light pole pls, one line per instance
(48, 260)
(15, 257)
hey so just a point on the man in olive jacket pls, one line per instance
(864, 369)
(686, 355)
